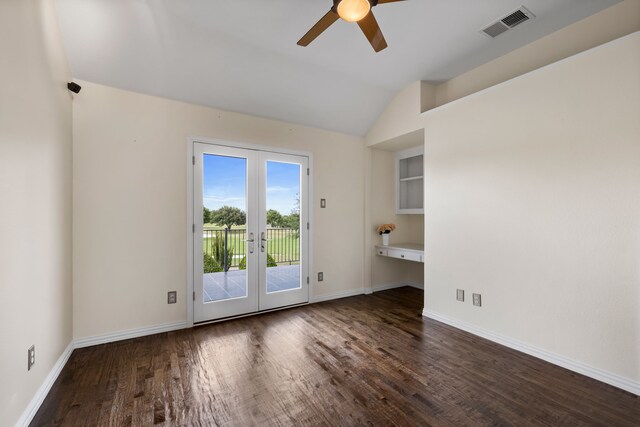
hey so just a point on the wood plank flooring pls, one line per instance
(366, 360)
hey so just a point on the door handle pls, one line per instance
(250, 241)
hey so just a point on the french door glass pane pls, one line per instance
(224, 218)
(283, 226)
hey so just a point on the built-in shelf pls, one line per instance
(409, 181)
(404, 251)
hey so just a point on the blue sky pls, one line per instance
(224, 183)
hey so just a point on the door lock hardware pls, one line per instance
(250, 240)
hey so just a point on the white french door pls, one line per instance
(250, 241)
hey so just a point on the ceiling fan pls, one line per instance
(351, 11)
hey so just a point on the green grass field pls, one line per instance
(283, 244)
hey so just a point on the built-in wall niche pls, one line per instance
(409, 181)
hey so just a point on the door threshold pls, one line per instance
(253, 313)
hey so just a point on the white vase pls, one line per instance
(385, 239)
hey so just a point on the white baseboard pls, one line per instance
(387, 286)
(415, 285)
(615, 380)
(129, 333)
(336, 295)
(33, 406)
(393, 285)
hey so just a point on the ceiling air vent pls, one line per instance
(517, 17)
(496, 29)
(511, 20)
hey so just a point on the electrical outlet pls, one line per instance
(323, 203)
(460, 294)
(172, 297)
(31, 357)
(477, 300)
(320, 276)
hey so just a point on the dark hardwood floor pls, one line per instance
(366, 360)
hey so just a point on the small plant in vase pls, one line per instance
(384, 230)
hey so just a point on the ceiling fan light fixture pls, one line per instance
(353, 10)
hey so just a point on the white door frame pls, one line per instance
(189, 223)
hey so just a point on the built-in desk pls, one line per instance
(406, 251)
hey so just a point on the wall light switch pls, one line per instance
(320, 276)
(323, 203)
(460, 294)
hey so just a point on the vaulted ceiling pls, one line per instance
(241, 55)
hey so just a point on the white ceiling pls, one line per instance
(241, 55)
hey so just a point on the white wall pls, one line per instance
(532, 190)
(35, 201)
(130, 203)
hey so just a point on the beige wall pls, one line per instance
(410, 228)
(35, 201)
(610, 24)
(532, 190)
(415, 271)
(403, 114)
(130, 203)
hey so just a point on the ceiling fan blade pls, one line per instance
(388, 1)
(324, 23)
(371, 30)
